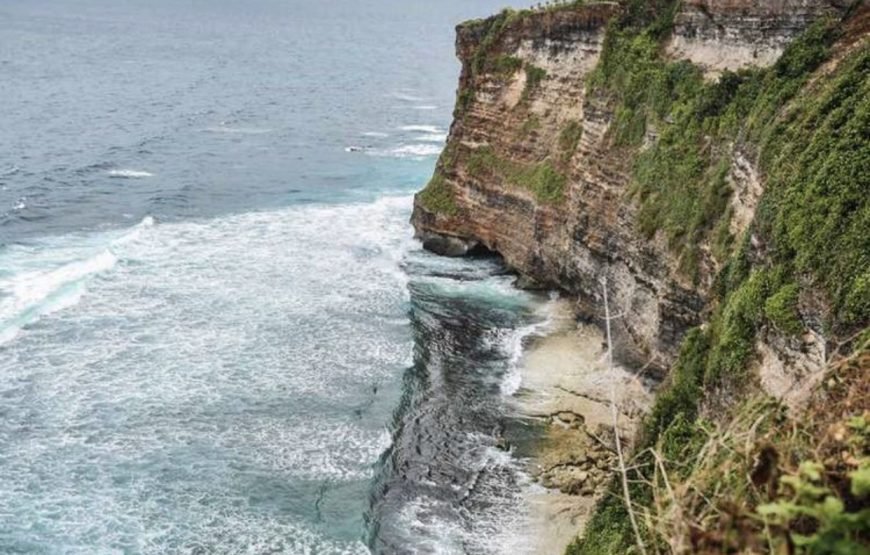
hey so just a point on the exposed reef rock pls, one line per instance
(446, 245)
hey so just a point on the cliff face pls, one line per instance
(512, 124)
(710, 162)
(535, 168)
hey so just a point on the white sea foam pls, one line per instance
(547, 314)
(416, 151)
(429, 531)
(20, 205)
(30, 295)
(238, 130)
(129, 174)
(493, 527)
(432, 138)
(44, 281)
(422, 128)
(134, 232)
(376, 134)
(215, 367)
(426, 107)
(515, 345)
(407, 97)
(498, 290)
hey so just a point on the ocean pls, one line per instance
(217, 333)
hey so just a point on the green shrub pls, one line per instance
(817, 165)
(545, 181)
(437, 197)
(542, 179)
(734, 327)
(463, 101)
(680, 398)
(833, 528)
(609, 530)
(569, 138)
(534, 76)
(781, 309)
(506, 65)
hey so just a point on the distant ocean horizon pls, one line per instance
(217, 333)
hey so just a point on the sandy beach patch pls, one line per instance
(567, 386)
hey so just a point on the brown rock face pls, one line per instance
(572, 242)
(530, 170)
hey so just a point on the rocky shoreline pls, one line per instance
(566, 385)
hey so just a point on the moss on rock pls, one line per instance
(437, 197)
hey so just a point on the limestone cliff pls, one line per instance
(533, 175)
(732, 34)
(710, 162)
(535, 168)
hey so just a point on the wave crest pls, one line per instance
(28, 294)
(129, 174)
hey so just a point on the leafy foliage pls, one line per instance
(506, 65)
(781, 309)
(834, 529)
(817, 161)
(812, 140)
(542, 179)
(569, 138)
(534, 76)
(438, 197)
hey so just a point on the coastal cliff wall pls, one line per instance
(530, 172)
(707, 160)
(541, 161)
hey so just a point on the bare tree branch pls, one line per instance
(614, 411)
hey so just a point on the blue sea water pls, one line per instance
(217, 334)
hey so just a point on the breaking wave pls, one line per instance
(129, 174)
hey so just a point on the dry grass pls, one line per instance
(709, 502)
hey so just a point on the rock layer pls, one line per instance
(732, 34)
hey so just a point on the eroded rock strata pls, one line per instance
(733, 34)
(553, 126)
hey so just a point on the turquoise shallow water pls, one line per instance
(217, 334)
